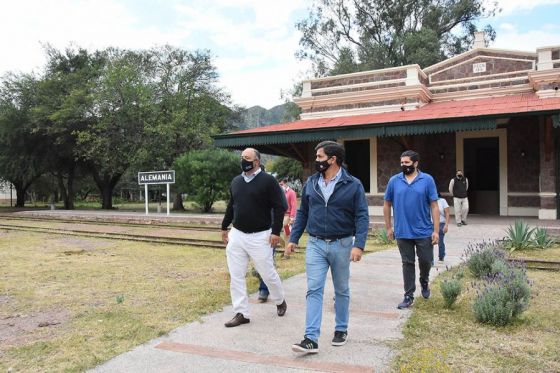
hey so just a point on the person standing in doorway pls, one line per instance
(412, 195)
(256, 208)
(458, 187)
(334, 212)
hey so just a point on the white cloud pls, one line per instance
(512, 6)
(86, 23)
(527, 41)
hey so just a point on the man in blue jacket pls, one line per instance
(334, 212)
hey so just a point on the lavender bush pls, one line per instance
(504, 295)
(481, 256)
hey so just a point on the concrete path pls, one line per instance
(265, 343)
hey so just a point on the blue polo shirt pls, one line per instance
(411, 205)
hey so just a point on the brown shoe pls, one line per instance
(237, 320)
(281, 308)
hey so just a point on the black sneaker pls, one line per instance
(406, 303)
(339, 338)
(425, 290)
(307, 346)
(464, 222)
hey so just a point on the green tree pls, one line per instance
(189, 107)
(206, 175)
(64, 107)
(22, 151)
(122, 111)
(341, 35)
(287, 168)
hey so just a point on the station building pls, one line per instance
(493, 113)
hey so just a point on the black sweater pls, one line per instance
(255, 206)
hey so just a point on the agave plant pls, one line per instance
(519, 236)
(383, 237)
(541, 238)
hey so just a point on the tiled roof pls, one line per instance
(468, 109)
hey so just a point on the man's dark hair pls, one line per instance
(414, 157)
(283, 180)
(332, 148)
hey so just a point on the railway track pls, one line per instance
(119, 223)
(118, 236)
(547, 265)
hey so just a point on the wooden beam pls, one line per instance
(298, 152)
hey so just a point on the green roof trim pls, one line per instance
(385, 130)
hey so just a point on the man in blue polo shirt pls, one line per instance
(412, 195)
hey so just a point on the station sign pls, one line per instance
(156, 177)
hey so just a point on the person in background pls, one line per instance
(443, 225)
(458, 187)
(289, 218)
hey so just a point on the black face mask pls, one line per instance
(407, 170)
(322, 166)
(247, 165)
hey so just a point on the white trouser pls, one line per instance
(461, 206)
(242, 246)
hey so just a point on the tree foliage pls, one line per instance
(341, 36)
(205, 175)
(287, 168)
(21, 149)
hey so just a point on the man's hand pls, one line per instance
(356, 254)
(390, 234)
(435, 238)
(445, 228)
(274, 239)
(290, 248)
(225, 237)
(291, 221)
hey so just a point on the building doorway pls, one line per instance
(357, 159)
(482, 168)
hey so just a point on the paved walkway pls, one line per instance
(265, 343)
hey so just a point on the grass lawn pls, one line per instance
(441, 340)
(70, 303)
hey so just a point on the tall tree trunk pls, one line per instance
(107, 195)
(70, 194)
(178, 202)
(21, 189)
(106, 184)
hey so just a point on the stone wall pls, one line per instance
(523, 155)
(493, 66)
(359, 79)
(437, 157)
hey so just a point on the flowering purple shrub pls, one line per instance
(481, 256)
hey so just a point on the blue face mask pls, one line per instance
(247, 165)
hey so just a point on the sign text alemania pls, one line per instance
(156, 177)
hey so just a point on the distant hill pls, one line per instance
(258, 116)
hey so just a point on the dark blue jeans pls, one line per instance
(409, 249)
(262, 285)
(441, 243)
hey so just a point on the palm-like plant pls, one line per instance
(519, 236)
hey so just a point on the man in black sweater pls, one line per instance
(256, 207)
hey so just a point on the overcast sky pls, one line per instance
(253, 41)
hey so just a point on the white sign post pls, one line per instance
(156, 177)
